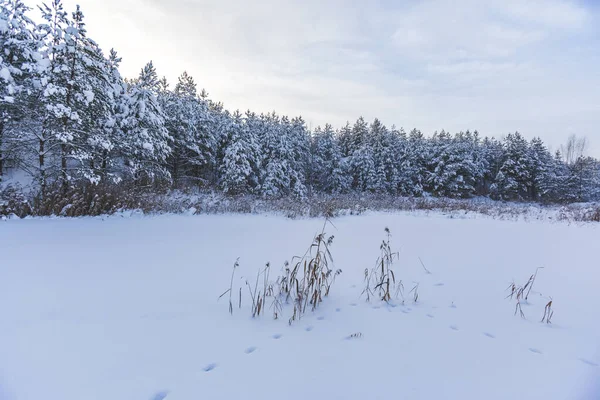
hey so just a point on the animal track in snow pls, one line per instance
(160, 395)
(536, 351)
(489, 335)
(438, 284)
(250, 350)
(454, 327)
(356, 335)
(588, 362)
(277, 336)
(210, 367)
(430, 316)
(338, 309)
(353, 304)
(320, 318)
(308, 328)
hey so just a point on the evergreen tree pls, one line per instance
(238, 171)
(74, 96)
(512, 181)
(146, 146)
(18, 54)
(327, 168)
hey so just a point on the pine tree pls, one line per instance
(238, 170)
(413, 164)
(541, 172)
(146, 145)
(327, 168)
(18, 54)
(112, 148)
(344, 138)
(187, 120)
(515, 173)
(363, 170)
(75, 96)
(491, 155)
(386, 173)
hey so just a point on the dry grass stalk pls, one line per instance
(381, 280)
(305, 284)
(548, 313)
(521, 293)
(230, 290)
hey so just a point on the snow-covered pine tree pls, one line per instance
(542, 172)
(382, 143)
(111, 150)
(412, 165)
(359, 137)
(327, 168)
(75, 96)
(187, 119)
(18, 63)
(299, 140)
(344, 139)
(146, 145)
(364, 174)
(492, 154)
(455, 167)
(512, 180)
(275, 166)
(238, 170)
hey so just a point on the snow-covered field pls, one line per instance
(126, 308)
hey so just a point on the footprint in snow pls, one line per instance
(277, 336)
(210, 367)
(376, 307)
(454, 327)
(353, 304)
(321, 318)
(356, 335)
(588, 362)
(308, 328)
(439, 284)
(406, 311)
(338, 309)
(250, 350)
(452, 305)
(160, 395)
(430, 316)
(536, 351)
(489, 335)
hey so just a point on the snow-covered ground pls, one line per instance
(126, 308)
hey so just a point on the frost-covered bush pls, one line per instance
(13, 202)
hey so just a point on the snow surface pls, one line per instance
(126, 308)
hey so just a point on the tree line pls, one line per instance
(68, 118)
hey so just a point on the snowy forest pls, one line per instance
(69, 120)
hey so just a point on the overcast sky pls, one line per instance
(493, 65)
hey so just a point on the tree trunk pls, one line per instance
(104, 158)
(1, 153)
(63, 168)
(42, 162)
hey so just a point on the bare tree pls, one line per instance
(574, 149)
